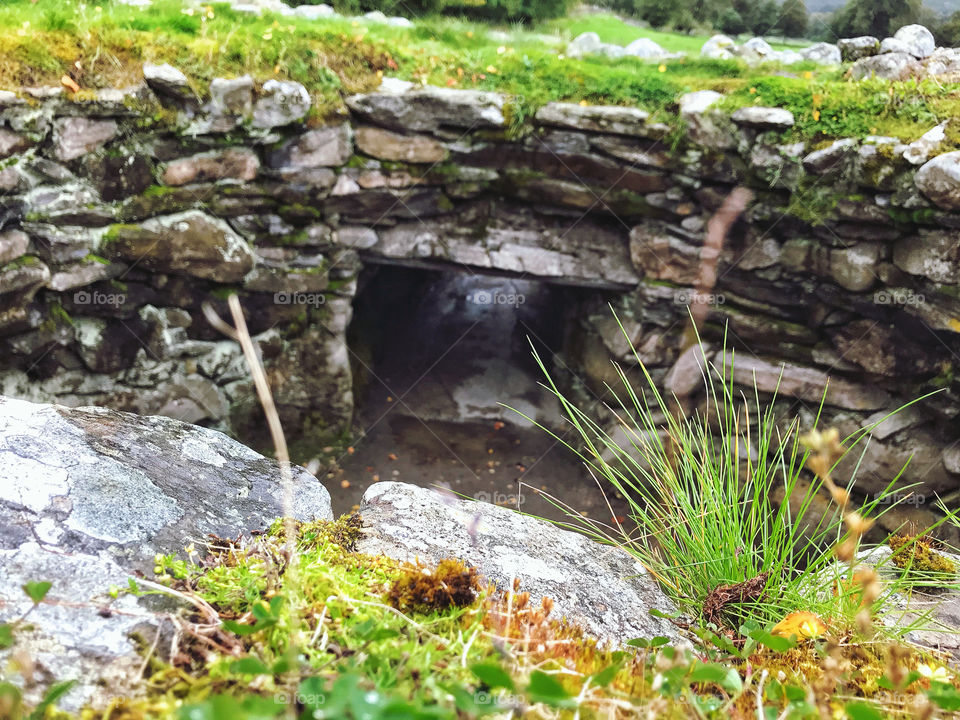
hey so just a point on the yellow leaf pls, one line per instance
(802, 624)
(68, 83)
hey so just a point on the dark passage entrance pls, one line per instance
(435, 355)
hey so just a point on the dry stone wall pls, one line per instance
(121, 214)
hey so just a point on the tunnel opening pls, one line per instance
(440, 356)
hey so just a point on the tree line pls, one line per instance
(790, 18)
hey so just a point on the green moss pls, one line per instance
(915, 554)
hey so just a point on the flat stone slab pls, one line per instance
(600, 587)
(89, 495)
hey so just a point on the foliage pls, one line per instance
(496, 10)
(880, 18)
(703, 495)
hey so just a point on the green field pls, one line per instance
(106, 45)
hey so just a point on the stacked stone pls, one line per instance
(124, 213)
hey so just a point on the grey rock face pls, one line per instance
(646, 49)
(166, 80)
(324, 147)
(852, 49)
(763, 118)
(190, 243)
(939, 180)
(597, 118)
(431, 109)
(229, 164)
(76, 136)
(822, 53)
(719, 47)
(891, 66)
(280, 103)
(914, 39)
(601, 587)
(87, 496)
(587, 43)
(387, 145)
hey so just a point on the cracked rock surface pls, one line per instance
(87, 497)
(598, 586)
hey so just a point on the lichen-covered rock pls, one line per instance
(596, 118)
(920, 150)
(754, 50)
(13, 244)
(601, 587)
(719, 47)
(804, 383)
(87, 496)
(12, 143)
(852, 49)
(934, 254)
(76, 136)
(939, 180)
(763, 118)
(833, 157)
(587, 43)
(913, 39)
(321, 148)
(707, 126)
(190, 243)
(229, 164)
(231, 101)
(431, 109)
(646, 49)
(822, 53)
(891, 66)
(280, 103)
(387, 145)
(167, 80)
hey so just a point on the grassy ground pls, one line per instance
(614, 29)
(347, 635)
(105, 45)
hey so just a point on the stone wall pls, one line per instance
(121, 212)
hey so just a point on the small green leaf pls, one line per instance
(242, 630)
(944, 696)
(50, 698)
(547, 689)
(666, 616)
(727, 678)
(493, 676)
(659, 641)
(249, 666)
(862, 711)
(606, 676)
(639, 643)
(6, 636)
(37, 591)
(774, 642)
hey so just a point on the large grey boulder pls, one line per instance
(719, 47)
(601, 587)
(645, 48)
(763, 118)
(913, 39)
(939, 180)
(595, 118)
(856, 48)
(754, 50)
(279, 104)
(190, 243)
(822, 53)
(587, 43)
(89, 495)
(431, 109)
(891, 66)
(705, 124)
